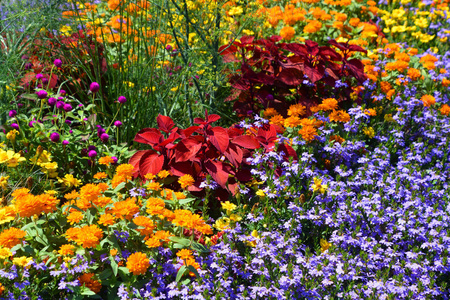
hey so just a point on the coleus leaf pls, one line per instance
(290, 76)
(246, 141)
(135, 159)
(187, 148)
(165, 123)
(150, 163)
(217, 171)
(288, 152)
(234, 154)
(151, 136)
(219, 138)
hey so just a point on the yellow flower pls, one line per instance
(260, 193)
(369, 132)
(10, 157)
(318, 186)
(22, 261)
(235, 218)
(324, 245)
(5, 252)
(235, 11)
(11, 135)
(69, 181)
(222, 224)
(228, 206)
(4, 182)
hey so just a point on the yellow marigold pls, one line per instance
(3, 182)
(318, 186)
(227, 205)
(270, 112)
(185, 218)
(184, 254)
(125, 209)
(339, 116)
(145, 222)
(287, 33)
(428, 100)
(186, 180)
(324, 245)
(88, 236)
(5, 253)
(402, 56)
(277, 120)
(308, 133)
(296, 110)
(106, 160)
(329, 104)
(445, 110)
(2, 289)
(100, 175)
(292, 121)
(22, 261)
(354, 22)
(69, 181)
(75, 216)
(180, 195)
(369, 131)
(106, 220)
(11, 237)
(153, 186)
(163, 174)
(11, 135)
(138, 263)
(66, 249)
(87, 280)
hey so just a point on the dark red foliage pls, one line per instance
(269, 71)
(203, 150)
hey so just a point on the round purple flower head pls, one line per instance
(60, 104)
(122, 99)
(62, 92)
(12, 113)
(104, 137)
(39, 76)
(65, 142)
(54, 137)
(19, 105)
(117, 123)
(67, 107)
(15, 126)
(51, 101)
(42, 94)
(92, 147)
(58, 63)
(115, 159)
(94, 87)
(92, 153)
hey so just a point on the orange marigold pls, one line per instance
(428, 100)
(329, 104)
(75, 216)
(125, 209)
(90, 192)
(138, 263)
(66, 249)
(87, 281)
(185, 218)
(145, 222)
(296, 110)
(153, 186)
(11, 237)
(106, 160)
(125, 170)
(398, 65)
(445, 110)
(312, 27)
(102, 201)
(28, 205)
(337, 139)
(88, 236)
(106, 220)
(308, 133)
(292, 121)
(339, 116)
(100, 175)
(186, 180)
(287, 33)
(163, 174)
(277, 120)
(270, 112)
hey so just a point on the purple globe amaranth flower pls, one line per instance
(65, 142)
(117, 123)
(92, 147)
(100, 131)
(92, 153)
(42, 94)
(54, 137)
(60, 104)
(68, 122)
(104, 137)
(67, 107)
(51, 101)
(115, 159)
(122, 99)
(62, 92)
(39, 76)
(31, 123)
(84, 152)
(19, 105)
(15, 126)
(94, 87)
(12, 113)
(58, 63)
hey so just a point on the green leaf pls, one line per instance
(186, 201)
(200, 248)
(179, 240)
(114, 267)
(180, 273)
(194, 270)
(87, 292)
(105, 274)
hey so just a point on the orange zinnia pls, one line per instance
(11, 237)
(138, 263)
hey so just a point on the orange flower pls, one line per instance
(138, 263)
(20, 193)
(277, 120)
(287, 33)
(153, 186)
(337, 138)
(145, 222)
(125, 209)
(28, 205)
(185, 218)
(66, 249)
(125, 171)
(329, 104)
(75, 216)
(90, 192)
(11, 237)
(163, 174)
(308, 133)
(106, 220)
(88, 236)
(385, 86)
(102, 201)
(428, 100)
(292, 121)
(270, 112)
(155, 206)
(72, 195)
(445, 110)
(184, 254)
(339, 116)
(445, 82)
(106, 160)
(186, 180)
(312, 27)
(296, 110)
(398, 65)
(87, 281)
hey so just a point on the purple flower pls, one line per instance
(39, 76)
(51, 101)
(62, 92)
(92, 147)
(42, 94)
(92, 153)
(94, 87)
(122, 99)
(117, 123)
(67, 107)
(65, 142)
(115, 159)
(60, 104)
(15, 126)
(104, 137)
(68, 122)
(12, 113)
(58, 63)
(54, 137)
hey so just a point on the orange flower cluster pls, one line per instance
(428, 100)
(138, 263)
(11, 237)
(339, 116)
(188, 259)
(28, 205)
(287, 33)
(125, 209)
(428, 61)
(145, 222)
(186, 180)
(124, 172)
(185, 218)
(92, 284)
(66, 249)
(88, 236)
(158, 238)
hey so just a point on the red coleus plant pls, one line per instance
(273, 74)
(203, 150)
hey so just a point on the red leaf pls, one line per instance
(165, 123)
(288, 152)
(247, 39)
(246, 141)
(234, 155)
(189, 131)
(149, 136)
(150, 163)
(219, 138)
(217, 171)
(357, 69)
(290, 76)
(314, 74)
(212, 118)
(185, 167)
(134, 160)
(186, 149)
